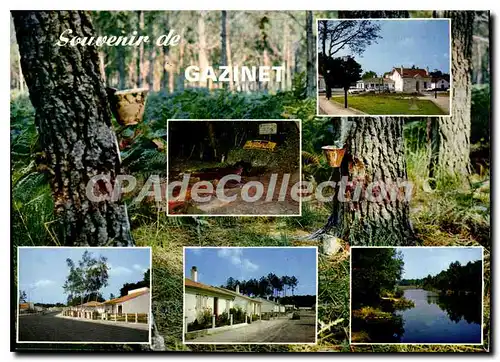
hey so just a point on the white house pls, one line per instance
(269, 306)
(199, 297)
(377, 84)
(136, 301)
(440, 83)
(249, 305)
(409, 80)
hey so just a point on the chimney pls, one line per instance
(238, 288)
(194, 274)
(401, 70)
(427, 71)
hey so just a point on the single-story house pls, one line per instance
(136, 301)
(270, 306)
(440, 83)
(250, 305)
(199, 297)
(377, 84)
(409, 80)
(92, 306)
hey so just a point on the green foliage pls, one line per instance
(374, 270)
(480, 114)
(203, 321)
(238, 315)
(32, 217)
(295, 315)
(222, 320)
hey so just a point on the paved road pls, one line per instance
(283, 330)
(48, 327)
(441, 102)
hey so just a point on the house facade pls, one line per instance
(249, 305)
(376, 84)
(199, 297)
(270, 306)
(409, 80)
(440, 83)
(136, 301)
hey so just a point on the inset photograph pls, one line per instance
(84, 295)
(251, 295)
(234, 167)
(384, 67)
(416, 295)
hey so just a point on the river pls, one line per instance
(440, 318)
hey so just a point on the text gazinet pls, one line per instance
(261, 73)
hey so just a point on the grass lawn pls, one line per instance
(389, 105)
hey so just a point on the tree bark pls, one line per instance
(371, 205)
(310, 66)
(451, 141)
(73, 119)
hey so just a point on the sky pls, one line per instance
(216, 265)
(420, 262)
(43, 271)
(423, 43)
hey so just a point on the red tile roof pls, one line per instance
(126, 297)
(411, 73)
(192, 284)
(92, 303)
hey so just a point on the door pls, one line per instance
(216, 306)
(120, 309)
(417, 86)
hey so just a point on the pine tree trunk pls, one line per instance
(140, 59)
(223, 41)
(372, 207)
(451, 142)
(310, 66)
(73, 119)
(202, 46)
(166, 76)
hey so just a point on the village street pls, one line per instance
(50, 327)
(282, 330)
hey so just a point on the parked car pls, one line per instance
(354, 90)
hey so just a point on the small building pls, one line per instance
(199, 298)
(270, 306)
(136, 301)
(440, 83)
(26, 307)
(376, 84)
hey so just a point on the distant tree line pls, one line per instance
(131, 286)
(457, 278)
(270, 285)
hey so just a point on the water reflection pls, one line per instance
(467, 307)
(434, 319)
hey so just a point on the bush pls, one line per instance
(238, 315)
(255, 317)
(295, 315)
(222, 320)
